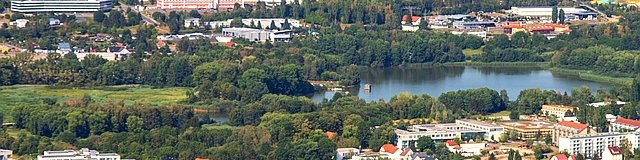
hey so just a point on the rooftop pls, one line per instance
(595, 135)
(573, 125)
(529, 125)
(479, 123)
(389, 148)
(628, 122)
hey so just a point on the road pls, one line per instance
(145, 18)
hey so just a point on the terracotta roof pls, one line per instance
(230, 44)
(451, 143)
(629, 122)
(389, 148)
(540, 28)
(405, 151)
(561, 157)
(573, 125)
(614, 150)
(413, 19)
(513, 26)
(330, 135)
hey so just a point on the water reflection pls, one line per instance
(436, 80)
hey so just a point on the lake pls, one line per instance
(388, 82)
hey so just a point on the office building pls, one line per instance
(556, 110)
(35, 6)
(566, 128)
(464, 129)
(528, 130)
(624, 125)
(82, 154)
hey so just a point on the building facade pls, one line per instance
(566, 128)
(187, 4)
(464, 129)
(595, 144)
(257, 35)
(82, 154)
(528, 130)
(556, 110)
(35, 6)
(624, 125)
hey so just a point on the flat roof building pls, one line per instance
(187, 4)
(82, 154)
(464, 129)
(529, 130)
(6, 154)
(595, 144)
(65, 6)
(543, 11)
(258, 35)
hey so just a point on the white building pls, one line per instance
(187, 4)
(596, 143)
(82, 154)
(264, 23)
(600, 104)
(34, 6)
(191, 22)
(21, 23)
(465, 129)
(481, 34)
(257, 35)
(624, 125)
(346, 153)
(612, 153)
(5, 154)
(543, 11)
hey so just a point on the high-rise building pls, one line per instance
(35, 6)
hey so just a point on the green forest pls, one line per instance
(259, 86)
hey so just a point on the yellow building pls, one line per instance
(528, 130)
(557, 110)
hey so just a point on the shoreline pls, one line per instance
(586, 75)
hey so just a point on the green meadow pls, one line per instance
(12, 96)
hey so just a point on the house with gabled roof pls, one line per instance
(624, 125)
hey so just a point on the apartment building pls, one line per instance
(528, 130)
(556, 110)
(624, 125)
(82, 154)
(566, 128)
(35, 6)
(464, 129)
(595, 144)
(187, 4)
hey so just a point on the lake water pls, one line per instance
(387, 82)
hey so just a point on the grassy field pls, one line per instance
(590, 76)
(12, 96)
(468, 52)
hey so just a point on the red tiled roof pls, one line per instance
(451, 143)
(230, 44)
(330, 135)
(540, 28)
(556, 25)
(413, 19)
(574, 125)
(561, 157)
(512, 26)
(405, 151)
(614, 150)
(389, 148)
(627, 122)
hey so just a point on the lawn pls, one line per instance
(501, 113)
(12, 96)
(468, 52)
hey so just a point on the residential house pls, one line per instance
(119, 52)
(21, 23)
(395, 153)
(415, 20)
(189, 22)
(624, 125)
(64, 48)
(566, 128)
(561, 156)
(346, 153)
(54, 22)
(612, 153)
(6, 154)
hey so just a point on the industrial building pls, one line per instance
(258, 35)
(35, 6)
(82, 154)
